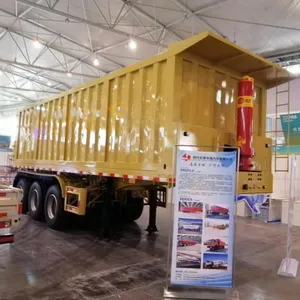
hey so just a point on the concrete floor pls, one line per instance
(78, 264)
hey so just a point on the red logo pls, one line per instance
(241, 100)
(186, 157)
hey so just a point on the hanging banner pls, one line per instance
(254, 201)
(292, 120)
(203, 232)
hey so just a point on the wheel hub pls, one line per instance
(34, 200)
(52, 206)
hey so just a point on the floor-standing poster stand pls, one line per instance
(201, 252)
(289, 265)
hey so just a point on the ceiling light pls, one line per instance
(96, 62)
(294, 69)
(132, 44)
(69, 74)
(36, 44)
(1, 73)
(49, 83)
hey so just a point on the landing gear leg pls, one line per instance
(107, 211)
(152, 193)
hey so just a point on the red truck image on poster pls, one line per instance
(184, 243)
(191, 209)
(215, 244)
(217, 210)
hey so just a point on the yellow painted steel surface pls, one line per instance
(127, 122)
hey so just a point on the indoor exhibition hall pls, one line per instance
(149, 149)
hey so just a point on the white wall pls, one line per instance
(282, 98)
(4, 161)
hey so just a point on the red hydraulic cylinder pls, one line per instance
(245, 123)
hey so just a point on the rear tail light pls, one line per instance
(5, 224)
(7, 238)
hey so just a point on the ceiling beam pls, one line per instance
(97, 25)
(170, 25)
(15, 107)
(25, 90)
(13, 99)
(42, 75)
(125, 41)
(32, 79)
(16, 94)
(153, 20)
(14, 63)
(249, 22)
(55, 3)
(27, 10)
(198, 18)
(16, 16)
(276, 56)
(61, 36)
(207, 6)
(60, 51)
(80, 60)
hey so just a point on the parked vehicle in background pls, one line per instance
(10, 211)
(218, 263)
(191, 209)
(221, 227)
(184, 243)
(191, 227)
(209, 264)
(215, 244)
(217, 210)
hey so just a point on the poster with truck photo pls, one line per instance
(203, 231)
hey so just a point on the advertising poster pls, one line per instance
(4, 142)
(290, 124)
(286, 149)
(203, 236)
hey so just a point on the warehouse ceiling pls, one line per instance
(48, 46)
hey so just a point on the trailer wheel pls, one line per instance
(132, 210)
(24, 185)
(55, 215)
(35, 201)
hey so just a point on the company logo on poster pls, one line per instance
(186, 157)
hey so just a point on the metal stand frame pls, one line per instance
(107, 210)
(199, 293)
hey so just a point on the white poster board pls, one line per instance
(203, 231)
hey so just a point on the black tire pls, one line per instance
(132, 210)
(24, 185)
(36, 201)
(55, 215)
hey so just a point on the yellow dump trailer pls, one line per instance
(117, 133)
